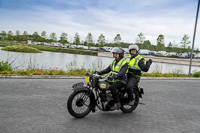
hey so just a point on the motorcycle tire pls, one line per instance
(130, 108)
(77, 104)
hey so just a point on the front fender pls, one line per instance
(92, 97)
(81, 88)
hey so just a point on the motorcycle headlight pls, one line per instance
(103, 85)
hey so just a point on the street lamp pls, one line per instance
(191, 53)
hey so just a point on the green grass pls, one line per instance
(158, 74)
(82, 72)
(196, 74)
(51, 49)
(21, 48)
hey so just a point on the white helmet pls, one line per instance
(133, 46)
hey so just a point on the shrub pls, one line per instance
(5, 66)
(196, 74)
(21, 72)
(5, 72)
(39, 72)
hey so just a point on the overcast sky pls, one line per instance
(172, 18)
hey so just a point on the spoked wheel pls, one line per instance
(79, 104)
(127, 108)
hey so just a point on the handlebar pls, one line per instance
(96, 76)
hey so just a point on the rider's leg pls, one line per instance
(131, 83)
(113, 88)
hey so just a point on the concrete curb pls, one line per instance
(82, 77)
(41, 77)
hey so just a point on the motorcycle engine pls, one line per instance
(102, 95)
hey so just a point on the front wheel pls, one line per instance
(79, 104)
(127, 108)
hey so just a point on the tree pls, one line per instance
(3, 35)
(147, 44)
(169, 47)
(140, 38)
(160, 39)
(160, 43)
(36, 37)
(196, 50)
(17, 35)
(53, 36)
(117, 39)
(44, 36)
(76, 39)
(185, 42)
(101, 40)
(10, 35)
(63, 38)
(89, 39)
(25, 36)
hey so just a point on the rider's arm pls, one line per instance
(107, 70)
(142, 65)
(123, 70)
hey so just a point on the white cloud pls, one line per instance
(172, 23)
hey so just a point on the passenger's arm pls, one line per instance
(142, 65)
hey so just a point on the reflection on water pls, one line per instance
(45, 60)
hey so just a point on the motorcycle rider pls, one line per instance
(118, 69)
(137, 64)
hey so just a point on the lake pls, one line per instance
(53, 60)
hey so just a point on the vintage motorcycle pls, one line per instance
(96, 93)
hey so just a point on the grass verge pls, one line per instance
(82, 72)
(21, 48)
(50, 48)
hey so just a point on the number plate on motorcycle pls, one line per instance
(87, 79)
(78, 85)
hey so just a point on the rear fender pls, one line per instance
(140, 91)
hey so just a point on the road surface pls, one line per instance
(39, 106)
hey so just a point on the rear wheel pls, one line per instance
(79, 104)
(127, 108)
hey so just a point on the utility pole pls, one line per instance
(191, 53)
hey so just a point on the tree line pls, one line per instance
(140, 41)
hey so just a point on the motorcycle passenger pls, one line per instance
(118, 69)
(137, 64)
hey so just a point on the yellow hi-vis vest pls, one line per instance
(133, 63)
(117, 68)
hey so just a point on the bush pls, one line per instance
(196, 74)
(21, 72)
(5, 66)
(6, 72)
(77, 72)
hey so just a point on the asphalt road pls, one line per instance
(39, 106)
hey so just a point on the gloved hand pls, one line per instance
(110, 78)
(96, 72)
(149, 62)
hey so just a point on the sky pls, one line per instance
(171, 18)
